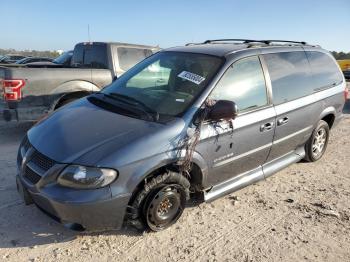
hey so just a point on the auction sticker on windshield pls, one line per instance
(197, 79)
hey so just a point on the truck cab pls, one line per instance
(32, 92)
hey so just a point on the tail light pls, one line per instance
(346, 93)
(12, 89)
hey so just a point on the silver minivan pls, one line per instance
(198, 121)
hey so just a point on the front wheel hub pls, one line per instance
(164, 207)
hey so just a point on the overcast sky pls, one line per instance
(53, 25)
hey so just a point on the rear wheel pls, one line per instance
(160, 202)
(70, 98)
(65, 102)
(317, 143)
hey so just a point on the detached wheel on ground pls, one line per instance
(317, 143)
(160, 202)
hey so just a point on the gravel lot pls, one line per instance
(301, 213)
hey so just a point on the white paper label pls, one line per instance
(180, 100)
(197, 79)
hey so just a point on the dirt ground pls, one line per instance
(301, 213)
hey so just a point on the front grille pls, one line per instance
(37, 165)
(31, 175)
(42, 161)
(25, 144)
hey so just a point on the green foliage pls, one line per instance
(51, 54)
(341, 55)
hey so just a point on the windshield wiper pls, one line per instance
(153, 114)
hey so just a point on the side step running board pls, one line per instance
(254, 176)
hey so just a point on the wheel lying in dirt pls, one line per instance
(160, 203)
(317, 143)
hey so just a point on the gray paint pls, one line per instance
(229, 158)
(46, 85)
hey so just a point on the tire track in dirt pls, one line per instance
(12, 204)
(242, 234)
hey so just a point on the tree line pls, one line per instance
(51, 54)
(341, 55)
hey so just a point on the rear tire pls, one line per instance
(160, 202)
(70, 98)
(317, 143)
(65, 102)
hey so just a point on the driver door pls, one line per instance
(243, 145)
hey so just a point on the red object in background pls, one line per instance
(12, 89)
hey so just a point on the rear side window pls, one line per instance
(90, 56)
(95, 56)
(128, 56)
(290, 74)
(244, 84)
(324, 70)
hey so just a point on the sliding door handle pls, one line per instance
(266, 127)
(282, 121)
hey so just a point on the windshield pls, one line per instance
(62, 59)
(22, 61)
(166, 82)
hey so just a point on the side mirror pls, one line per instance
(223, 109)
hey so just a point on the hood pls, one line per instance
(80, 127)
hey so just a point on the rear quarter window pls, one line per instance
(128, 56)
(290, 74)
(90, 56)
(95, 56)
(324, 70)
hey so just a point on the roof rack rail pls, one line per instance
(232, 40)
(246, 41)
(287, 41)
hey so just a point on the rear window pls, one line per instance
(290, 74)
(128, 56)
(78, 56)
(324, 70)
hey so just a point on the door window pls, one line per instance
(244, 84)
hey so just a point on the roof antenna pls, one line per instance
(89, 33)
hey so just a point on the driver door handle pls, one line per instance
(266, 127)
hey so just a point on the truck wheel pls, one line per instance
(70, 98)
(65, 102)
(160, 202)
(317, 143)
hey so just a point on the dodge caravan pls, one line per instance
(202, 121)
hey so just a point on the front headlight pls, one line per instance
(82, 177)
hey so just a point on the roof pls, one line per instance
(223, 47)
(209, 49)
(118, 43)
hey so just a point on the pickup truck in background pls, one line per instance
(31, 92)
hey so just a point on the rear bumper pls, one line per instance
(9, 115)
(92, 215)
(23, 114)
